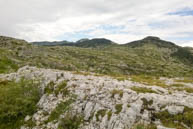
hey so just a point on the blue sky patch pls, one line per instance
(183, 12)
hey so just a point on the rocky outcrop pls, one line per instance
(102, 102)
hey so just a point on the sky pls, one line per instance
(121, 21)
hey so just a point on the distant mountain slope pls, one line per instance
(100, 42)
(152, 41)
(150, 56)
(54, 43)
(85, 43)
(183, 54)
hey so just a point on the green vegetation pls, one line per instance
(101, 113)
(49, 88)
(146, 104)
(143, 90)
(109, 114)
(17, 100)
(175, 121)
(118, 108)
(70, 121)
(186, 80)
(61, 88)
(177, 85)
(187, 89)
(128, 105)
(148, 80)
(150, 57)
(60, 109)
(6, 64)
(144, 126)
(119, 92)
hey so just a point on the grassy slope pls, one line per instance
(148, 59)
(12, 96)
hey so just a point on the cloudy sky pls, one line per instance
(119, 20)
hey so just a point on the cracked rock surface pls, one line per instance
(103, 102)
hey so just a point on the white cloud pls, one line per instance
(47, 19)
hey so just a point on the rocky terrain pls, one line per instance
(71, 100)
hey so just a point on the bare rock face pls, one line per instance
(174, 110)
(100, 102)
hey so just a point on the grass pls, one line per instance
(144, 126)
(109, 114)
(143, 90)
(56, 89)
(187, 89)
(60, 109)
(146, 104)
(17, 100)
(112, 60)
(49, 88)
(118, 108)
(114, 92)
(101, 113)
(148, 80)
(186, 80)
(70, 121)
(177, 85)
(61, 88)
(174, 121)
(7, 65)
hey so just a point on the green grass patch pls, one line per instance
(101, 113)
(186, 80)
(114, 92)
(61, 88)
(146, 104)
(143, 90)
(118, 108)
(144, 126)
(60, 109)
(186, 89)
(17, 100)
(71, 121)
(7, 65)
(109, 114)
(148, 80)
(177, 85)
(174, 121)
(49, 89)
